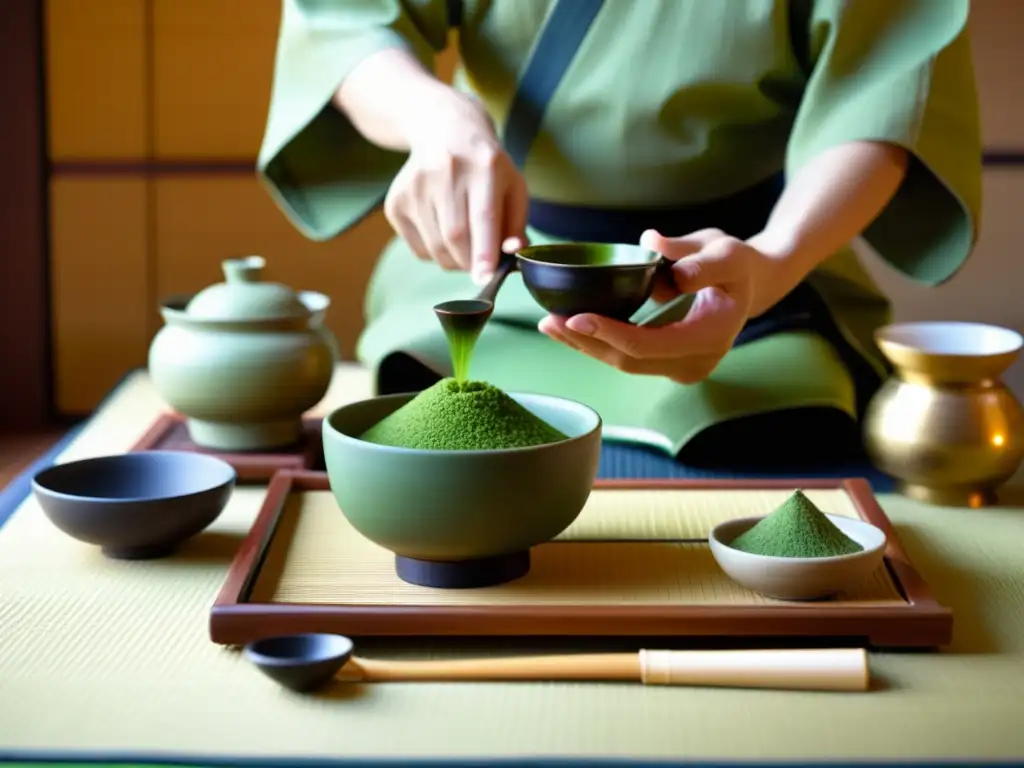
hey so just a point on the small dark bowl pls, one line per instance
(135, 505)
(612, 280)
(302, 663)
(460, 519)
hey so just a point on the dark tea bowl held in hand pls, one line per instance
(135, 505)
(612, 280)
(459, 519)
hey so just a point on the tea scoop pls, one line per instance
(306, 662)
(467, 317)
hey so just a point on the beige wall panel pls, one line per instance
(203, 220)
(996, 34)
(100, 286)
(96, 78)
(213, 62)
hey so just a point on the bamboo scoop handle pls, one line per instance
(824, 670)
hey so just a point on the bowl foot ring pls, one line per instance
(463, 574)
(149, 552)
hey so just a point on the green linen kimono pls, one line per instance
(667, 102)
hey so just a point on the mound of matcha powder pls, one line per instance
(462, 416)
(796, 529)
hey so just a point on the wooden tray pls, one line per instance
(169, 433)
(635, 563)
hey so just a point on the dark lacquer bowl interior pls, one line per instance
(136, 505)
(613, 280)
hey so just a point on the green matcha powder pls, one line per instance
(462, 416)
(796, 529)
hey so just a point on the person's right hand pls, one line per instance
(459, 199)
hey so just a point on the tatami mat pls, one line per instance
(317, 557)
(107, 659)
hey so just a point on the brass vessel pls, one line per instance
(945, 425)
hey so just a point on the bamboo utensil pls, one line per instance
(307, 662)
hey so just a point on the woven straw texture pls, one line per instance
(107, 658)
(317, 557)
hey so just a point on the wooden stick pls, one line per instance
(825, 670)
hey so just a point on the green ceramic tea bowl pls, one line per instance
(613, 280)
(461, 518)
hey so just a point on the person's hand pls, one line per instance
(459, 199)
(721, 270)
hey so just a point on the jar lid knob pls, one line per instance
(244, 270)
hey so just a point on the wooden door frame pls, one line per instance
(25, 367)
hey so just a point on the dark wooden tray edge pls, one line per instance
(921, 623)
(251, 467)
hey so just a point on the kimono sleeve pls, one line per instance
(319, 170)
(900, 71)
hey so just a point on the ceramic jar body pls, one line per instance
(241, 386)
(945, 425)
(948, 445)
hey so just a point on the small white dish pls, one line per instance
(798, 578)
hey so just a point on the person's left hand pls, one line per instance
(721, 270)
